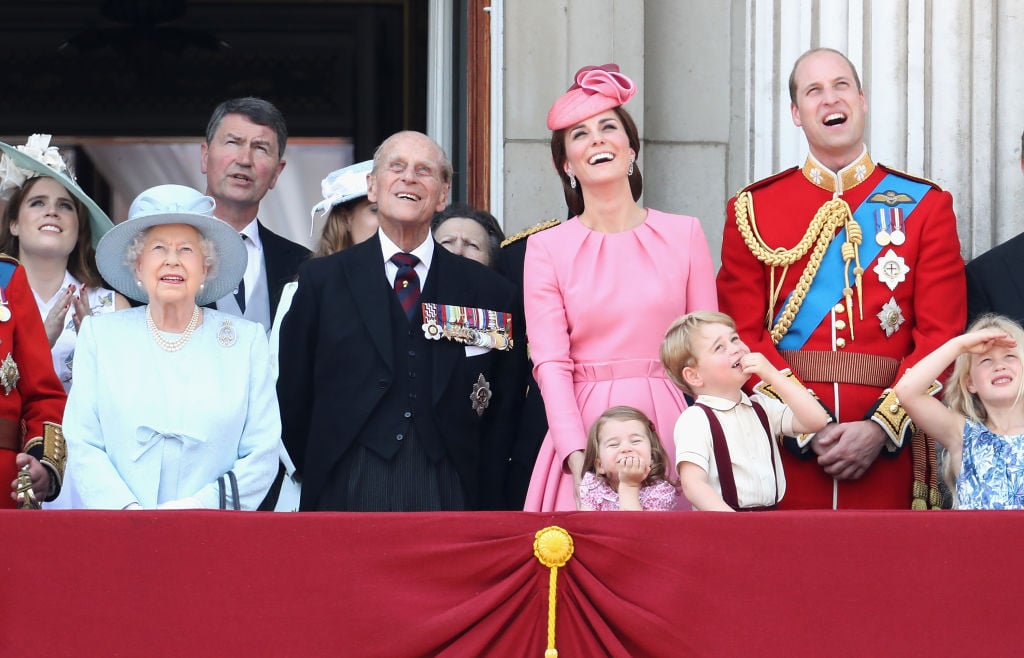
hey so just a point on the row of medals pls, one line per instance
(884, 237)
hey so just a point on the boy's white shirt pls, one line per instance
(748, 447)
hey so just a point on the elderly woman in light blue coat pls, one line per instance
(173, 404)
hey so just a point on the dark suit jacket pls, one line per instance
(282, 258)
(531, 421)
(336, 358)
(995, 281)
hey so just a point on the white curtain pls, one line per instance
(131, 168)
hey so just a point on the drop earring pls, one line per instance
(632, 159)
(572, 180)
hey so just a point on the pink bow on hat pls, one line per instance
(596, 89)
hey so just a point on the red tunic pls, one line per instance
(931, 300)
(38, 396)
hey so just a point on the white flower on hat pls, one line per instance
(11, 175)
(38, 148)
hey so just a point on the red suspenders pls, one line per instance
(724, 460)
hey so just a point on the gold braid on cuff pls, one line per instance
(894, 419)
(764, 388)
(55, 454)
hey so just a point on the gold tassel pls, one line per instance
(553, 547)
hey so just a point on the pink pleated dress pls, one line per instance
(597, 308)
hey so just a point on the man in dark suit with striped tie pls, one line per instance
(242, 157)
(398, 371)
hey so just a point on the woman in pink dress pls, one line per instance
(601, 289)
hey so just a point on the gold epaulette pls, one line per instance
(771, 179)
(912, 177)
(894, 419)
(5, 258)
(527, 232)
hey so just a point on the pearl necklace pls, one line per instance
(173, 345)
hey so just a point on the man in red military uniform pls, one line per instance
(31, 396)
(847, 273)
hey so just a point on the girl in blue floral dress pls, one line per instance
(982, 423)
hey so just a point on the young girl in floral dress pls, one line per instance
(982, 423)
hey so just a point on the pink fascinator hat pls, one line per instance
(596, 89)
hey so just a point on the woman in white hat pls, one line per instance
(43, 227)
(173, 402)
(351, 219)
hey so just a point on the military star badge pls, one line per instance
(9, 374)
(481, 395)
(891, 269)
(891, 317)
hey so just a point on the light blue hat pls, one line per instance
(37, 158)
(172, 204)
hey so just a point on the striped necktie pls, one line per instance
(407, 283)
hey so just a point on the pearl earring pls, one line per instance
(632, 159)
(572, 180)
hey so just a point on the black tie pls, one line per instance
(240, 291)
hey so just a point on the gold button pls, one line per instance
(840, 324)
(840, 343)
(405, 284)
(839, 308)
(894, 408)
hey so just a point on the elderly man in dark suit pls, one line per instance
(398, 375)
(242, 157)
(994, 280)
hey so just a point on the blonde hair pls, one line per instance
(677, 348)
(659, 460)
(956, 395)
(958, 398)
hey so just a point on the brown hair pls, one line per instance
(677, 348)
(81, 260)
(792, 74)
(658, 458)
(574, 197)
(495, 236)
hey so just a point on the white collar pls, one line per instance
(252, 232)
(425, 251)
(723, 404)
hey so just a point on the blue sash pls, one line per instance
(827, 288)
(6, 272)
